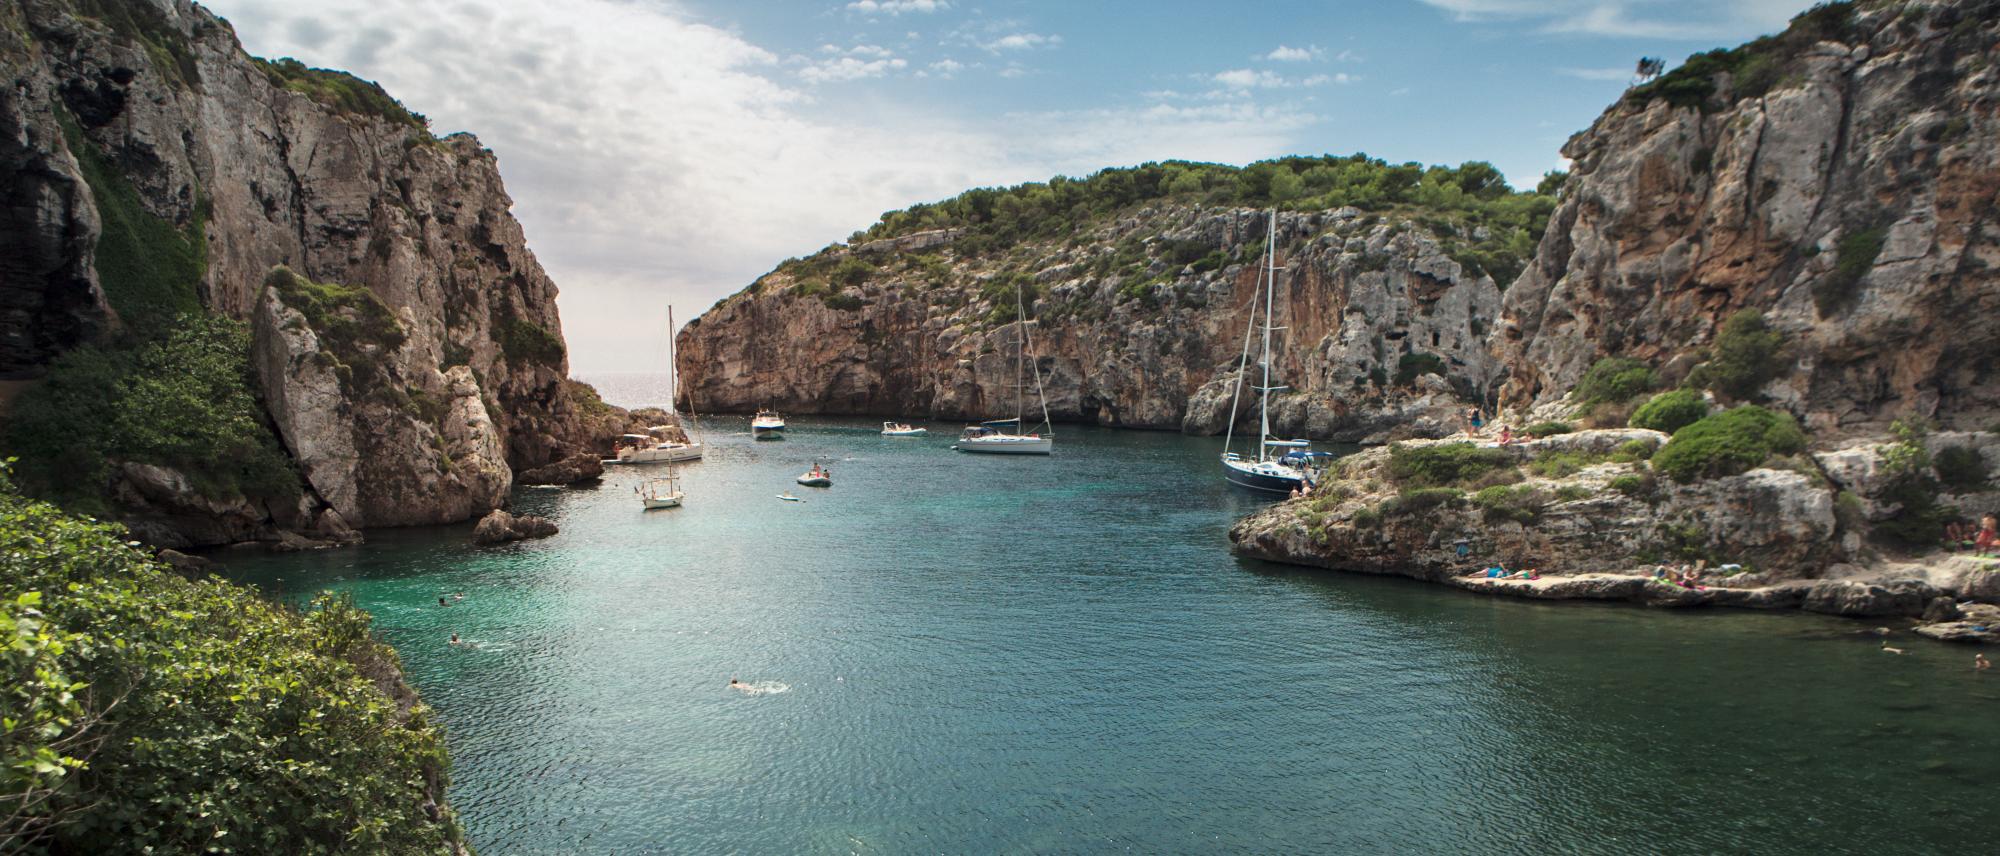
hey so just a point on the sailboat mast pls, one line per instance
(1020, 356)
(673, 371)
(1271, 288)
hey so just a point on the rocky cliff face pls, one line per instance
(265, 165)
(924, 331)
(1841, 177)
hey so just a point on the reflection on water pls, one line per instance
(1060, 655)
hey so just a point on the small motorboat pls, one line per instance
(818, 477)
(664, 492)
(767, 425)
(901, 429)
(788, 497)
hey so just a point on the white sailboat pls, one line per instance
(1266, 473)
(988, 437)
(658, 444)
(663, 492)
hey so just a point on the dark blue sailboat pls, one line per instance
(1267, 473)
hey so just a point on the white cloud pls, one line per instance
(849, 68)
(1283, 53)
(896, 7)
(1651, 19)
(946, 68)
(654, 160)
(1249, 78)
(1022, 42)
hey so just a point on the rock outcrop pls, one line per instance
(500, 527)
(1841, 178)
(1383, 328)
(262, 169)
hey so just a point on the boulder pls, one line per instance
(1859, 599)
(579, 467)
(500, 527)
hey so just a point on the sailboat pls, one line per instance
(657, 444)
(1003, 436)
(1267, 473)
(663, 492)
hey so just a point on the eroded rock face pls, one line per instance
(1358, 295)
(1675, 218)
(500, 527)
(272, 177)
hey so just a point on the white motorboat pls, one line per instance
(663, 492)
(989, 438)
(1268, 472)
(767, 425)
(899, 429)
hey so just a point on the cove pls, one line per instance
(990, 654)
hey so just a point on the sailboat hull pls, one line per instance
(663, 453)
(1263, 478)
(1007, 444)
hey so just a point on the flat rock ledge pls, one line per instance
(499, 527)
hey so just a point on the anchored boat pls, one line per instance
(818, 477)
(767, 425)
(900, 429)
(1269, 472)
(662, 492)
(995, 437)
(663, 443)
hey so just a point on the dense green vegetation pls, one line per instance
(148, 267)
(1515, 504)
(342, 91)
(1728, 443)
(1910, 486)
(1486, 225)
(525, 342)
(1671, 411)
(183, 398)
(1754, 68)
(1615, 380)
(1746, 356)
(1960, 468)
(1548, 429)
(1420, 499)
(355, 328)
(1444, 463)
(149, 713)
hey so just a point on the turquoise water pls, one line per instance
(994, 654)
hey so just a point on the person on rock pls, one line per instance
(1988, 538)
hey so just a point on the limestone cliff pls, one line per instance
(1138, 321)
(1840, 177)
(153, 168)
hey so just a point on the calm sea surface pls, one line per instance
(964, 654)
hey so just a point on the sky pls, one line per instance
(671, 151)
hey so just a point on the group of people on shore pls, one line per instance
(1983, 539)
(1475, 424)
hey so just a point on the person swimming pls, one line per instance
(1888, 650)
(442, 603)
(1980, 663)
(458, 595)
(454, 639)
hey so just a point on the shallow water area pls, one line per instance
(951, 653)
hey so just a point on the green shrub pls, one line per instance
(1516, 504)
(151, 713)
(1571, 493)
(1557, 465)
(1367, 518)
(1671, 411)
(1631, 484)
(1744, 359)
(1960, 467)
(851, 271)
(1418, 499)
(525, 342)
(1443, 463)
(843, 302)
(1855, 256)
(1728, 443)
(353, 325)
(1849, 511)
(1615, 380)
(1548, 429)
(1411, 366)
(1634, 450)
(185, 400)
(1919, 520)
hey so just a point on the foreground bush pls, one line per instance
(1728, 443)
(145, 712)
(1671, 411)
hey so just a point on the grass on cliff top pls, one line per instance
(146, 712)
(1754, 68)
(1486, 224)
(341, 91)
(183, 399)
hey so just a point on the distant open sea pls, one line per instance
(630, 389)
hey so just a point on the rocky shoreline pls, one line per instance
(1585, 511)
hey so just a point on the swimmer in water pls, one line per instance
(442, 603)
(1980, 663)
(458, 595)
(454, 639)
(1888, 650)
(739, 685)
